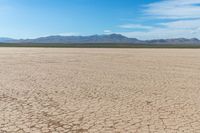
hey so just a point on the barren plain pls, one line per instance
(67, 90)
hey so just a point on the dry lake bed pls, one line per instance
(52, 90)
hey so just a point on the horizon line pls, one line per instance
(54, 35)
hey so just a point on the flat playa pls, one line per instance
(99, 90)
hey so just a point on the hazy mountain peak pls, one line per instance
(5, 39)
(111, 38)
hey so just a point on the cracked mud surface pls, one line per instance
(99, 90)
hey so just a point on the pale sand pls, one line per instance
(99, 90)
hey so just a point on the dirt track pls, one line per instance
(99, 90)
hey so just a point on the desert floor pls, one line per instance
(99, 90)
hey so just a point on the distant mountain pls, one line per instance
(112, 38)
(174, 41)
(5, 39)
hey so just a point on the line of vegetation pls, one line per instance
(98, 45)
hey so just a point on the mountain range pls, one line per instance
(112, 38)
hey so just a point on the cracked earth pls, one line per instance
(99, 90)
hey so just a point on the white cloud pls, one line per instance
(183, 24)
(180, 18)
(135, 26)
(174, 9)
(174, 29)
(163, 33)
(107, 31)
(69, 34)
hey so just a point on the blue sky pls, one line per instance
(142, 19)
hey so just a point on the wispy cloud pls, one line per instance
(69, 34)
(174, 29)
(173, 19)
(107, 31)
(135, 26)
(174, 9)
(183, 24)
(163, 33)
